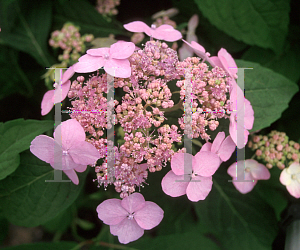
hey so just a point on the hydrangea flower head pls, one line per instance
(290, 177)
(164, 32)
(128, 218)
(49, 97)
(199, 170)
(114, 59)
(71, 153)
(253, 171)
(221, 146)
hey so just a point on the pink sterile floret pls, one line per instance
(253, 171)
(236, 112)
(164, 32)
(221, 146)
(191, 175)
(50, 98)
(290, 177)
(68, 151)
(114, 60)
(128, 218)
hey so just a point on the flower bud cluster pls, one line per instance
(275, 149)
(71, 42)
(107, 7)
(209, 95)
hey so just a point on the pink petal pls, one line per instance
(149, 216)
(118, 68)
(206, 163)
(42, 147)
(47, 102)
(133, 202)
(258, 171)
(72, 176)
(249, 115)
(206, 147)
(199, 188)
(65, 89)
(88, 63)
(127, 231)
(294, 188)
(181, 163)
(81, 168)
(193, 22)
(84, 153)
(233, 132)
(285, 178)
(111, 212)
(71, 133)
(68, 74)
(228, 62)
(232, 171)
(243, 186)
(185, 51)
(226, 149)
(294, 168)
(121, 50)
(216, 61)
(174, 185)
(100, 52)
(137, 26)
(197, 46)
(166, 32)
(217, 142)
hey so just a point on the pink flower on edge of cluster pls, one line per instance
(221, 146)
(253, 171)
(290, 177)
(200, 169)
(74, 153)
(114, 60)
(164, 32)
(128, 218)
(236, 93)
(225, 61)
(48, 99)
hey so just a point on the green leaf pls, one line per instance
(239, 221)
(256, 22)
(268, 92)
(28, 200)
(62, 245)
(26, 27)
(286, 63)
(15, 137)
(83, 14)
(192, 240)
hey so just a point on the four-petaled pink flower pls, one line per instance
(49, 97)
(237, 113)
(253, 171)
(191, 175)
(114, 60)
(225, 61)
(128, 218)
(290, 177)
(220, 146)
(68, 151)
(164, 32)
